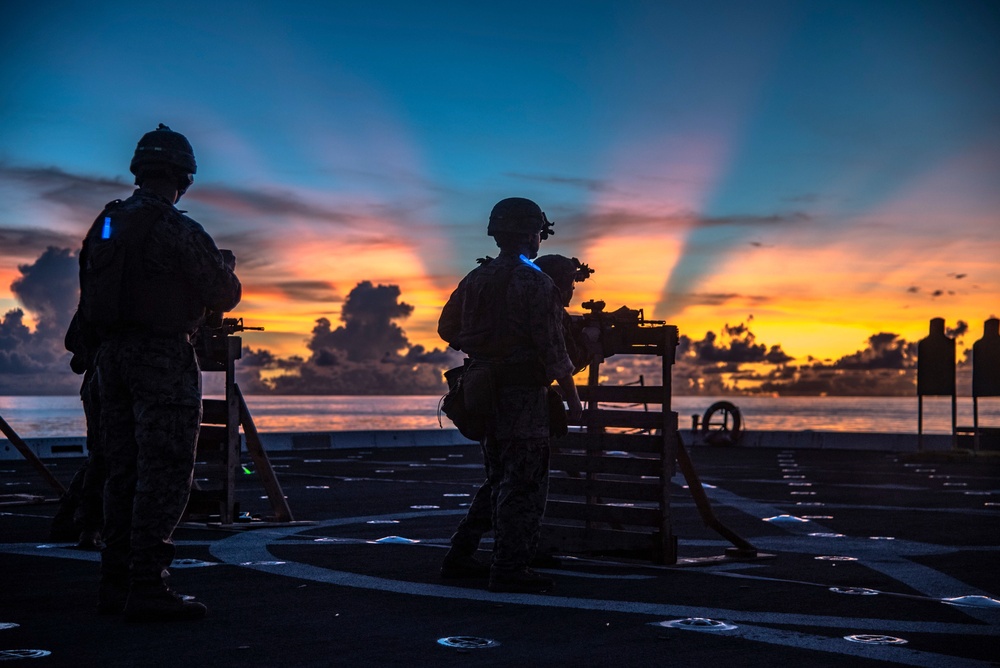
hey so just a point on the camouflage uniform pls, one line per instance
(508, 314)
(150, 384)
(478, 521)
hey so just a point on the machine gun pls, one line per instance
(624, 331)
(211, 341)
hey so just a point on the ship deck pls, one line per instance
(865, 549)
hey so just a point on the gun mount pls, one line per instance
(212, 341)
(587, 463)
(217, 457)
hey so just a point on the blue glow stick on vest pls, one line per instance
(106, 230)
(528, 262)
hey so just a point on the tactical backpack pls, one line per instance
(109, 260)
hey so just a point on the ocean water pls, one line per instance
(34, 417)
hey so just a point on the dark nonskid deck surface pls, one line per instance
(878, 559)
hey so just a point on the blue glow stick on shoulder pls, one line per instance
(527, 261)
(106, 230)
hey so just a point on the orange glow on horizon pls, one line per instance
(820, 287)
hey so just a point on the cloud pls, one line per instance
(748, 221)
(721, 298)
(595, 225)
(29, 242)
(589, 185)
(56, 186)
(732, 362)
(718, 364)
(274, 204)
(885, 351)
(49, 288)
(959, 330)
(368, 332)
(368, 354)
(821, 380)
(15, 346)
(36, 362)
(307, 291)
(737, 345)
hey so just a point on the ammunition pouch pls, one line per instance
(453, 405)
(471, 402)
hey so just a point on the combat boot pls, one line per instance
(463, 567)
(161, 604)
(112, 595)
(91, 541)
(523, 581)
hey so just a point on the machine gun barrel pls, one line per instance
(233, 325)
(622, 331)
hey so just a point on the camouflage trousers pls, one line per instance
(512, 499)
(81, 508)
(90, 515)
(150, 392)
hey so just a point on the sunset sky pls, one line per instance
(822, 171)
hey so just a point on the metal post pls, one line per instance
(23, 448)
(920, 423)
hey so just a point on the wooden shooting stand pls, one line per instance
(609, 485)
(218, 455)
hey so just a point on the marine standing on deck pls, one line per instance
(565, 273)
(506, 315)
(148, 275)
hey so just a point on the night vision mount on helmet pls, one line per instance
(164, 150)
(519, 215)
(566, 269)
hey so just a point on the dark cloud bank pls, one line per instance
(369, 353)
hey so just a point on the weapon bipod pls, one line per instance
(218, 454)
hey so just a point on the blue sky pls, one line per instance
(827, 168)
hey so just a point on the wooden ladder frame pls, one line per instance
(609, 491)
(609, 488)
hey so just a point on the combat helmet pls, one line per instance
(564, 272)
(519, 215)
(164, 150)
